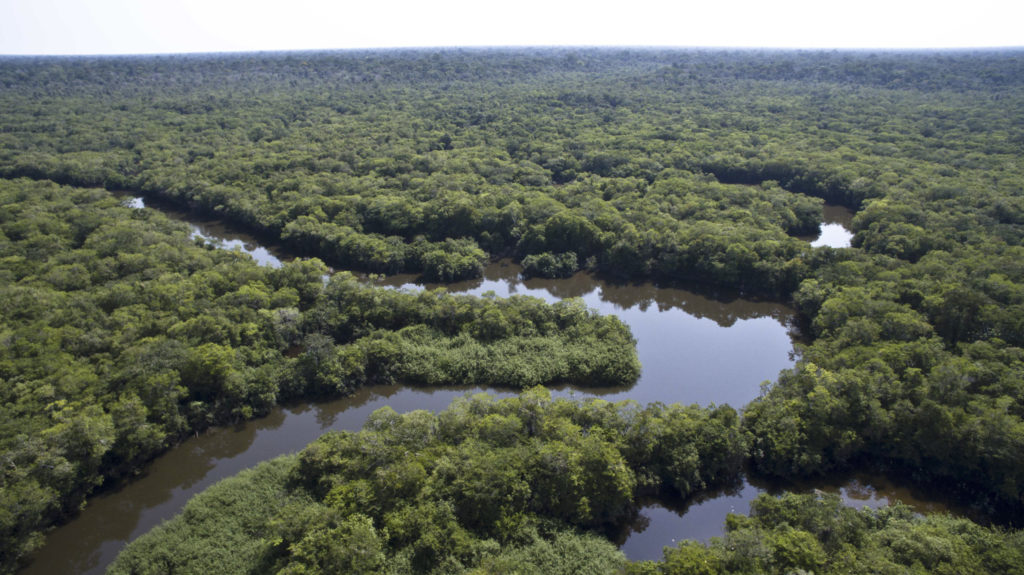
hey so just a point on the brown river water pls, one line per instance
(694, 347)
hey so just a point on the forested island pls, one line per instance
(121, 335)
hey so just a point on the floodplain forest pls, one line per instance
(121, 336)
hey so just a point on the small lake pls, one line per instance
(695, 348)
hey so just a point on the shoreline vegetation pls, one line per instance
(691, 166)
(527, 485)
(122, 336)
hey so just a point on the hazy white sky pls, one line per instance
(162, 26)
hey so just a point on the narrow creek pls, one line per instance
(695, 348)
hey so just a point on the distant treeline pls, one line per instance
(683, 166)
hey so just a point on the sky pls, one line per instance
(186, 26)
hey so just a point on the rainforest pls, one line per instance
(123, 335)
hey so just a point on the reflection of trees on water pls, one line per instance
(579, 285)
(326, 413)
(723, 307)
(401, 398)
(580, 392)
(875, 489)
(835, 214)
(226, 442)
(720, 496)
(504, 270)
(139, 505)
(855, 490)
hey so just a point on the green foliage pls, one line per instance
(817, 534)
(548, 265)
(455, 261)
(487, 486)
(120, 335)
(913, 364)
(566, 554)
(653, 169)
(131, 336)
(469, 491)
(231, 515)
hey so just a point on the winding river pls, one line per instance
(695, 348)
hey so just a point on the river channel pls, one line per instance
(695, 348)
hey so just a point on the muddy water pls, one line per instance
(695, 348)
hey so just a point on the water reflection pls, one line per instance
(503, 278)
(665, 521)
(224, 237)
(213, 231)
(91, 541)
(835, 231)
(694, 348)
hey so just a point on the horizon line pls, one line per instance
(514, 47)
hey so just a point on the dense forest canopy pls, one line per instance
(121, 335)
(509, 487)
(681, 166)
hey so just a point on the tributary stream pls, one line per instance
(695, 348)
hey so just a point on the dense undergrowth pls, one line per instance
(672, 165)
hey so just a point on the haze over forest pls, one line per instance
(70, 27)
(122, 335)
